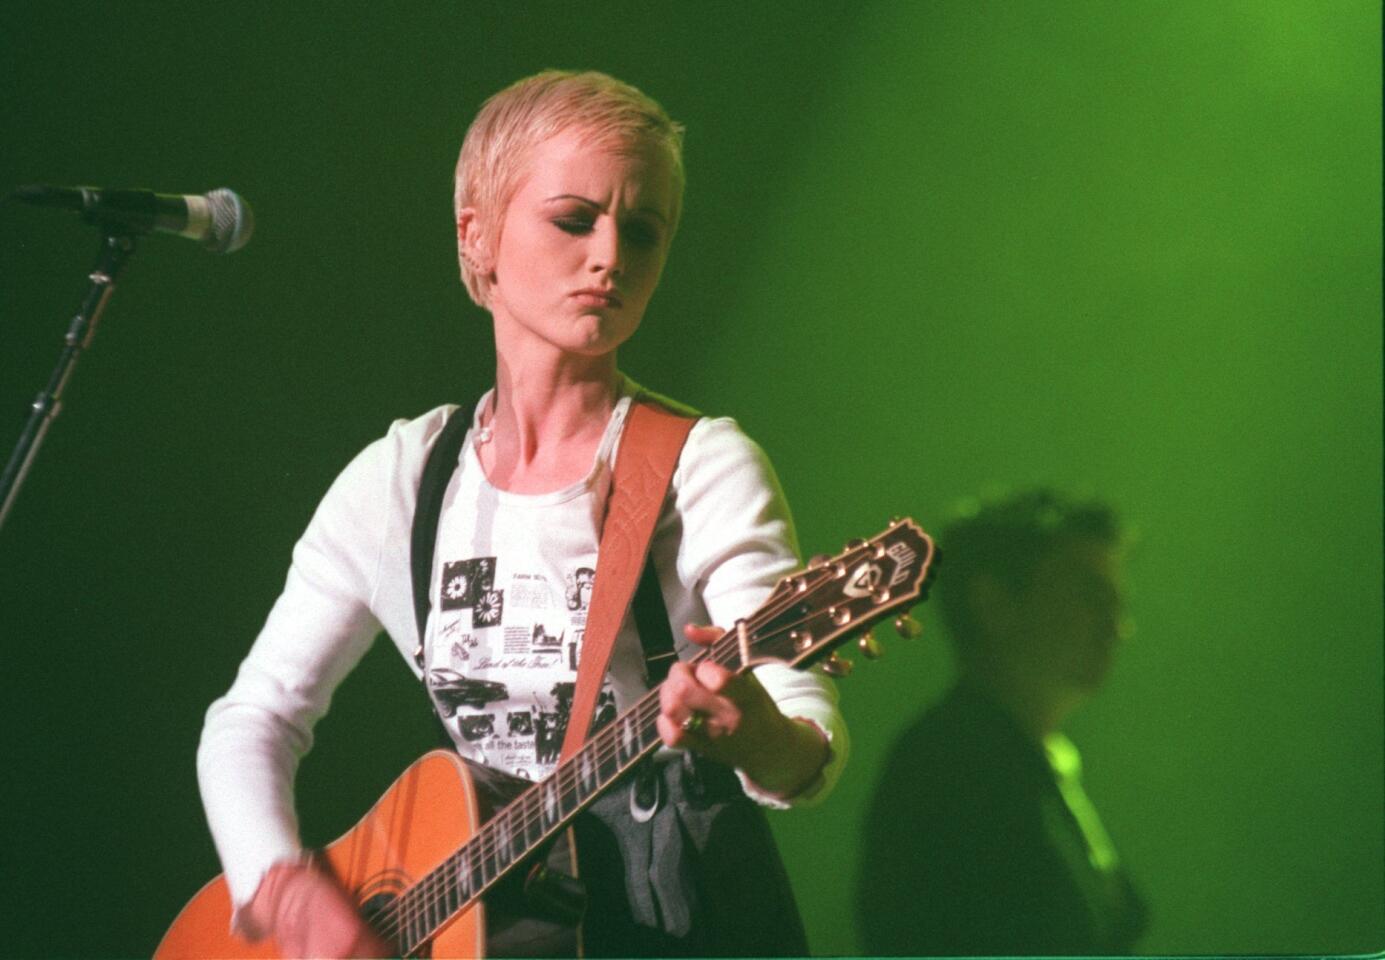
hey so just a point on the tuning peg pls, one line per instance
(835, 666)
(418, 656)
(870, 647)
(818, 559)
(907, 627)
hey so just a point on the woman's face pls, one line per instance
(581, 246)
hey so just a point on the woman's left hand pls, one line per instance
(729, 718)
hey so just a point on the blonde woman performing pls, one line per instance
(568, 194)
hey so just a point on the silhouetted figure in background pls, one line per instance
(980, 839)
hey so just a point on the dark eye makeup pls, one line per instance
(573, 225)
(642, 234)
(638, 232)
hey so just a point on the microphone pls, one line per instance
(221, 221)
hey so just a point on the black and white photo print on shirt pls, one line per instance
(465, 582)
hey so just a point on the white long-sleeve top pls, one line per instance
(511, 576)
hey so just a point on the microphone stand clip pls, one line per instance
(116, 249)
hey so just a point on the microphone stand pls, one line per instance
(116, 249)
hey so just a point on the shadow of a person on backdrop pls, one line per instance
(980, 838)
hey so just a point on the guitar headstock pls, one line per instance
(815, 610)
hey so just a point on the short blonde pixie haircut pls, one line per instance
(529, 111)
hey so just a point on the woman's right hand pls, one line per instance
(310, 915)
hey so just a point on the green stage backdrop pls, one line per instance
(929, 248)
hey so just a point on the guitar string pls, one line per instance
(417, 902)
(422, 895)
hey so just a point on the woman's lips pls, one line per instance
(593, 297)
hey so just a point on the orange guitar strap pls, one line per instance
(650, 445)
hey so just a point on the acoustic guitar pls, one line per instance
(421, 861)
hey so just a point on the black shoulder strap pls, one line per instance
(437, 473)
(651, 617)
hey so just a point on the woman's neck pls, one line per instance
(546, 420)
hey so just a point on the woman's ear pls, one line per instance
(471, 243)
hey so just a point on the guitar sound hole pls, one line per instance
(377, 893)
(372, 909)
(374, 906)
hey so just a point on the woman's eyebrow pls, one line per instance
(573, 196)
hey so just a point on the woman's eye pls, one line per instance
(573, 225)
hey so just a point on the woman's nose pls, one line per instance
(605, 252)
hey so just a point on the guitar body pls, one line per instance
(430, 811)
